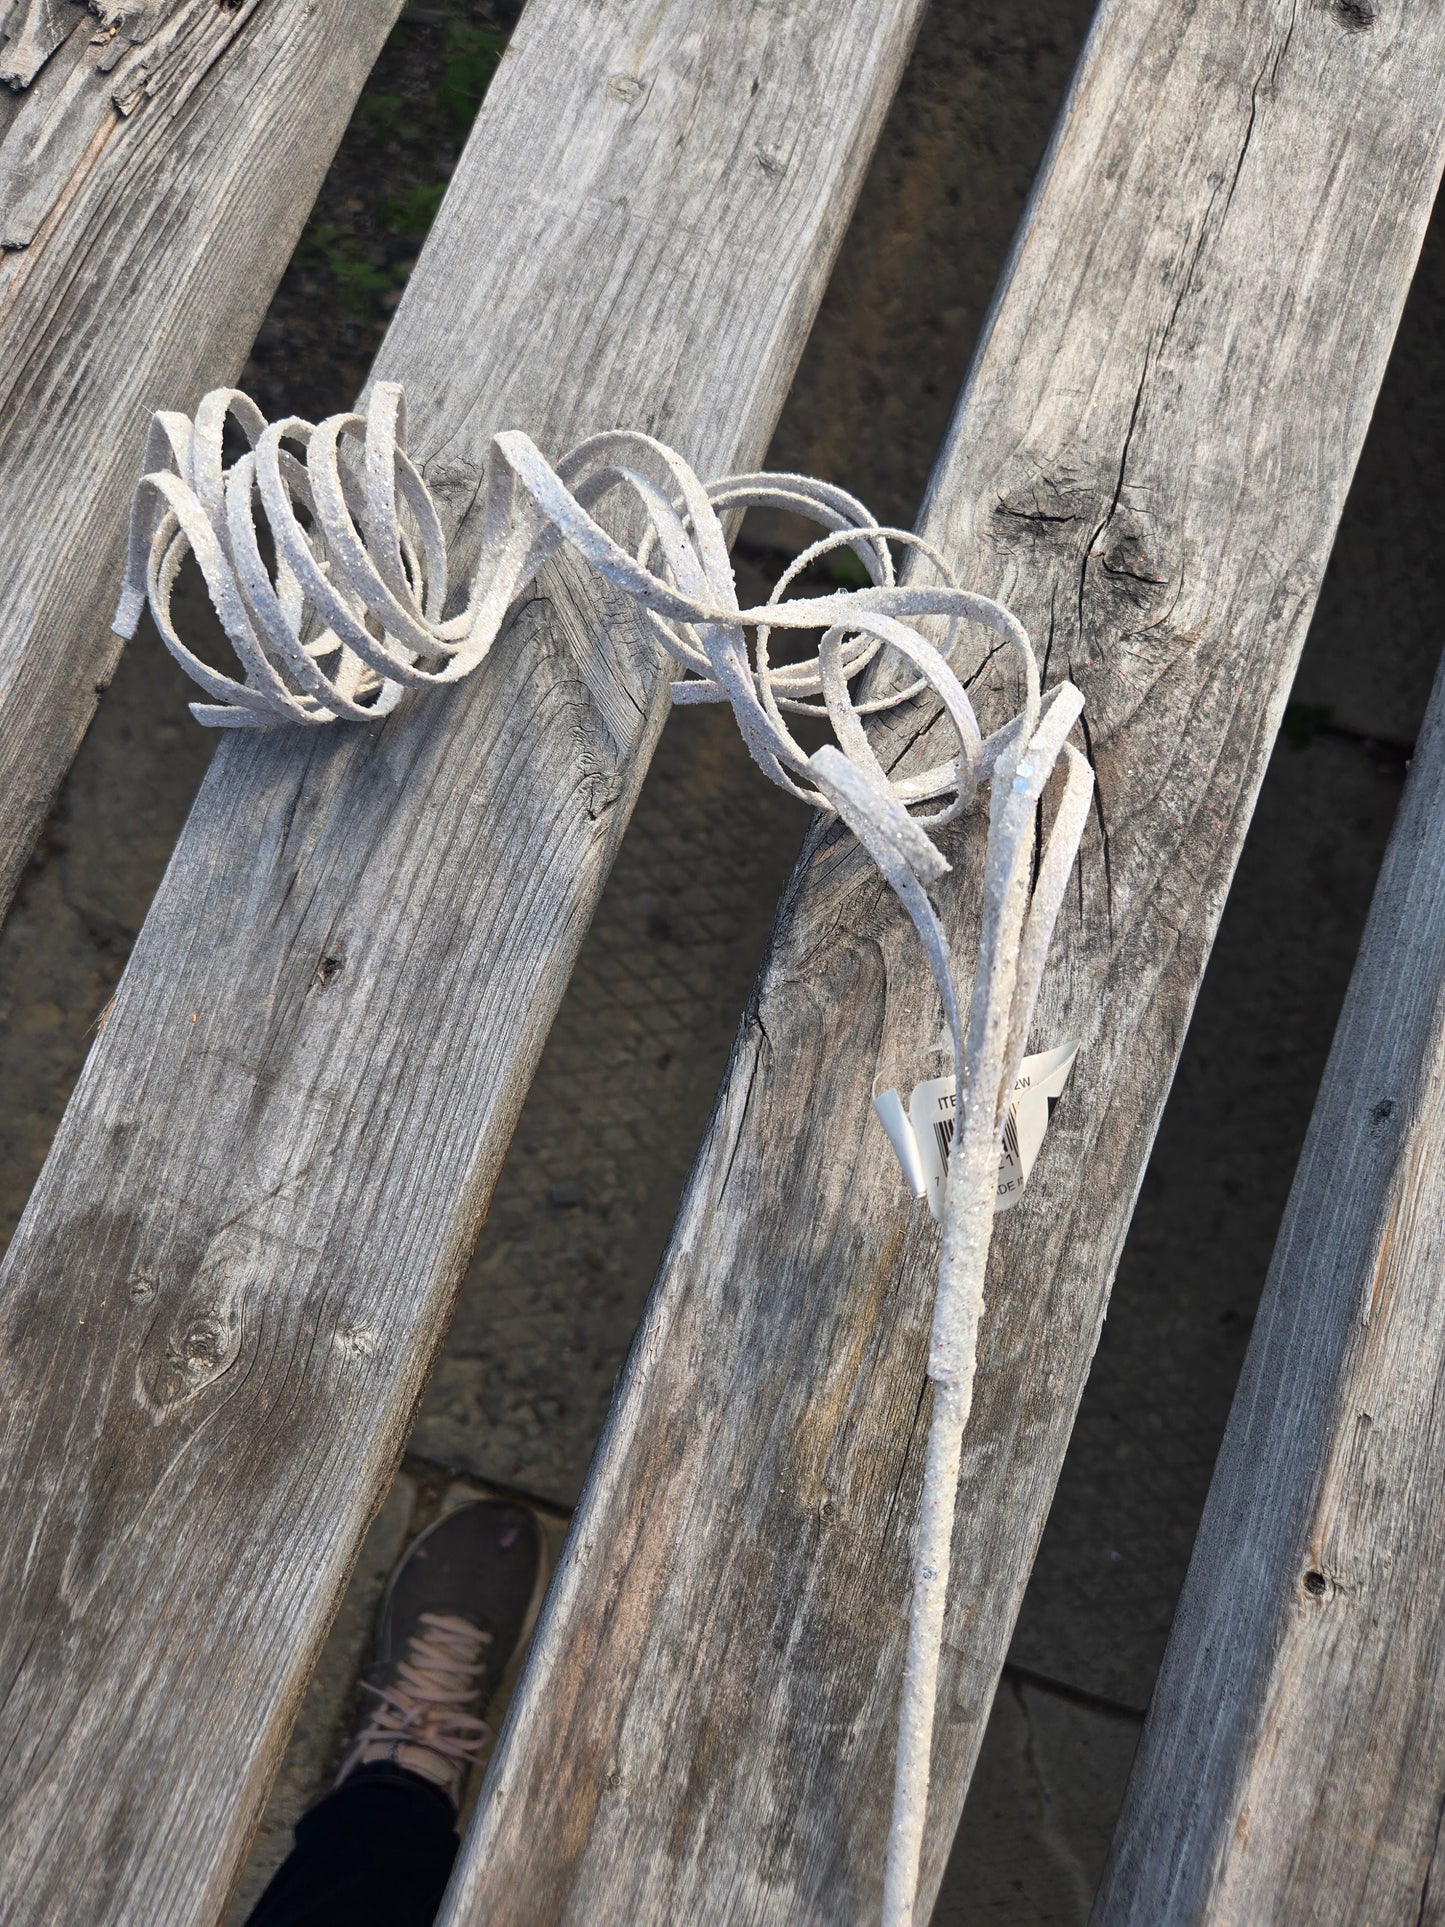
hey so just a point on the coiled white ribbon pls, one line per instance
(348, 615)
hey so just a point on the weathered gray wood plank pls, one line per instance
(1293, 1765)
(154, 175)
(223, 1301)
(1148, 464)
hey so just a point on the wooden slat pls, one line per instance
(1293, 1765)
(1149, 464)
(224, 1299)
(153, 180)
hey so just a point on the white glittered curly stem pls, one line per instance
(1016, 926)
(350, 613)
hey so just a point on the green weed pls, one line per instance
(358, 278)
(382, 112)
(368, 276)
(412, 210)
(847, 570)
(472, 54)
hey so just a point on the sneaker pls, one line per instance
(460, 1604)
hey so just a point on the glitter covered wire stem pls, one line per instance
(350, 613)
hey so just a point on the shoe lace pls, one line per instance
(426, 1703)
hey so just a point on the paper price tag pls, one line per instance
(922, 1135)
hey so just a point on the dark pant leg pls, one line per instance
(375, 1853)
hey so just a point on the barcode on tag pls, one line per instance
(931, 1108)
(943, 1132)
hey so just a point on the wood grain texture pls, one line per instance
(154, 175)
(223, 1301)
(1293, 1765)
(1148, 464)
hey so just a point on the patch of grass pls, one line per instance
(412, 210)
(359, 279)
(367, 260)
(847, 570)
(472, 54)
(381, 111)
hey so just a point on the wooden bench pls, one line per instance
(1293, 1764)
(224, 1299)
(1149, 464)
(223, 1302)
(154, 176)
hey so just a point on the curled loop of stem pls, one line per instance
(334, 602)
